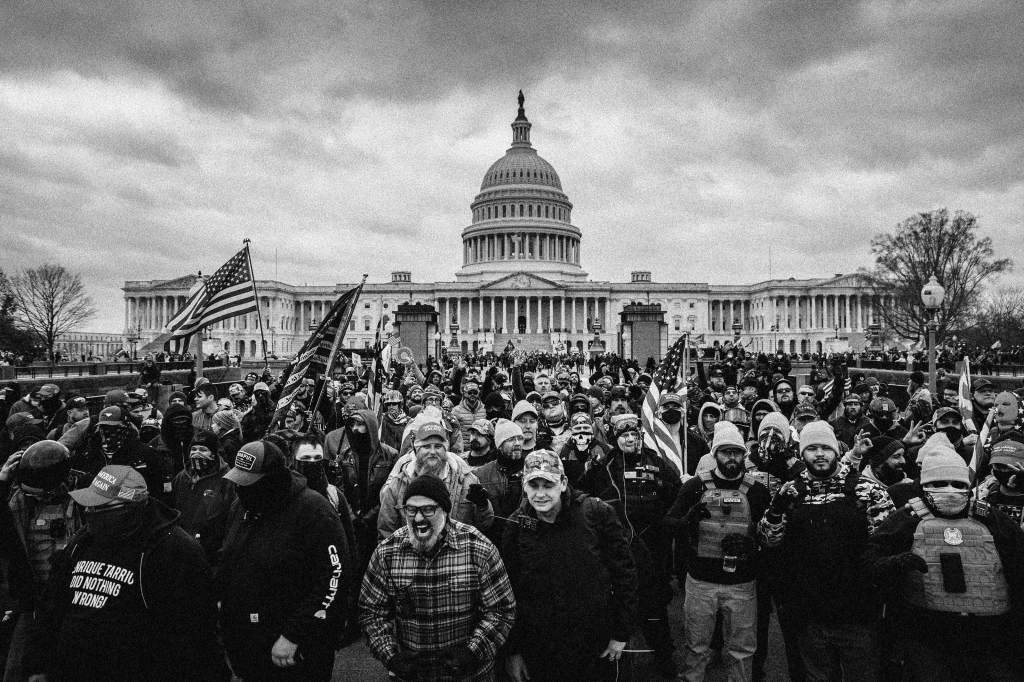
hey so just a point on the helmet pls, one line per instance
(44, 466)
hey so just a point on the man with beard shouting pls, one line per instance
(470, 503)
(436, 601)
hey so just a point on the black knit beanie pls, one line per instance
(432, 487)
(882, 449)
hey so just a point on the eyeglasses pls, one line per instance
(428, 510)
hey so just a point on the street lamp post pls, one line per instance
(932, 295)
(437, 347)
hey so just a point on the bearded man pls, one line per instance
(443, 632)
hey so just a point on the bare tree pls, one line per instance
(934, 243)
(999, 317)
(50, 302)
(13, 338)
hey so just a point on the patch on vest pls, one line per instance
(953, 536)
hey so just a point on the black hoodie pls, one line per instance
(281, 573)
(141, 609)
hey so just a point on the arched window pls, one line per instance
(546, 212)
(521, 212)
(530, 210)
(503, 211)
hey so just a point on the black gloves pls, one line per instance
(460, 660)
(786, 500)
(477, 495)
(404, 664)
(692, 520)
(906, 562)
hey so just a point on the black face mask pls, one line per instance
(265, 493)
(672, 416)
(316, 478)
(117, 523)
(883, 423)
(1004, 476)
(359, 441)
(952, 433)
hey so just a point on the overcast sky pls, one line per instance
(145, 140)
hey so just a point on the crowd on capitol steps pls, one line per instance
(522, 516)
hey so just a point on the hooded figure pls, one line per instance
(202, 494)
(175, 437)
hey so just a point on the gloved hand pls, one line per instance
(404, 664)
(786, 500)
(477, 495)
(460, 660)
(738, 545)
(697, 513)
(906, 562)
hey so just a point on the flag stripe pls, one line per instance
(227, 293)
(657, 435)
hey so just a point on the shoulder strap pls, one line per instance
(852, 477)
(749, 481)
(708, 480)
(920, 509)
(980, 509)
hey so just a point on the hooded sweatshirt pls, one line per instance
(361, 483)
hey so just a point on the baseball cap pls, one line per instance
(139, 395)
(667, 398)
(551, 395)
(430, 430)
(521, 408)
(393, 397)
(114, 482)
(483, 427)
(255, 460)
(1007, 452)
(947, 412)
(21, 419)
(76, 402)
(882, 406)
(981, 383)
(111, 415)
(619, 392)
(115, 397)
(48, 390)
(543, 464)
(852, 398)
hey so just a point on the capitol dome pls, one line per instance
(521, 219)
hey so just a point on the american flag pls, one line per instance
(666, 380)
(228, 293)
(317, 353)
(379, 366)
(964, 401)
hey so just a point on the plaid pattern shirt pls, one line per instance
(460, 596)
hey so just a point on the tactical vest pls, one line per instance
(730, 514)
(965, 573)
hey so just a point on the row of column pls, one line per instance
(847, 312)
(501, 314)
(521, 245)
(151, 312)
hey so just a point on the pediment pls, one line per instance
(185, 283)
(522, 280)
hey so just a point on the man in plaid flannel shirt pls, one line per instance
(436, 602)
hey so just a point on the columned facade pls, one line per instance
(521, 282)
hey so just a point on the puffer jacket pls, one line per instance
(458, 479)
(204, 505)
(466, 416)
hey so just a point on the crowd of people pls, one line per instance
(513, 518)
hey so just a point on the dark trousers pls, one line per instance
(655, 593)
(847, 647)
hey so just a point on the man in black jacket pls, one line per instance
(129, 598)
(281, 582)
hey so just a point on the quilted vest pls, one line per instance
(730, 513)
(963, 547)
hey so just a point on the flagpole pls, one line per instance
(256, 295)
(199, 355)
(684, 368)
(334, 351)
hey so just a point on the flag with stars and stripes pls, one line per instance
(315, 358)
(666, 380)
(228, 293)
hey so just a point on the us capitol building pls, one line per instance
(522, 281)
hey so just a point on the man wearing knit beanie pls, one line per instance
(958, 569)
(718, 509)
(823, 519)
(502, 477)
(461, 610)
